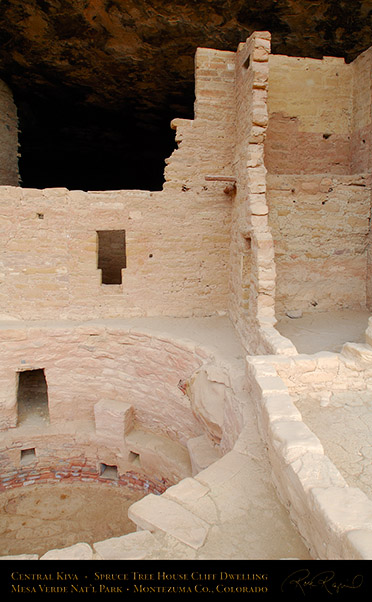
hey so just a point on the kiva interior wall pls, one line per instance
(9, 138)
(88, 363)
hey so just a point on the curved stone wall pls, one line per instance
(158, 409)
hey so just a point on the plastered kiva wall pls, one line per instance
(84, 364)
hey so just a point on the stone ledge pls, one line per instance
(133, 546)
(21, 557)
(79, 551)
(292, 439)
(158, 513)
(359, 542)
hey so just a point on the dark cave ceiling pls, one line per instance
(97, 82)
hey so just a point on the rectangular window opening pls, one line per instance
(28, 456)
(111, 255)
(108, 472)
(32, 398)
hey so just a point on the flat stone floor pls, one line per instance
(216, 332)
(325, 331)
(345, 430)
(36, 518)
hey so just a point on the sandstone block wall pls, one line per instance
(9, 175)
(334, 519)
(360, 142)
(320, 225)
(179, 243)
(177, 246)
(361, 137)
(310, 108)
(325, 375)
(206, 143)
(198, 248)
(252, 251)
(177, 240)
(317, 136)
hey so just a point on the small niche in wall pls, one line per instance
(134, 459)
(32, 398)
(111, 255)
(108, 471)
(28, 456)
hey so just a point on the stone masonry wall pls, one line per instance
(9, 174)
(78, 470)
(252, 254)
(319, 119)
(206, 143)
(310, 115)
(325, 375)
(176, 245)
(361, 135)
(320, 225)
(361, 138)
(333, 518)
(177, 240)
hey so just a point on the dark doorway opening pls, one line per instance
(32, 397)
(111, 255)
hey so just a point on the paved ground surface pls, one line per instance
(346, 434)
(326, 331)
(345, 426)
(40, 517)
